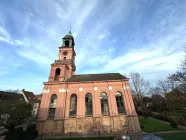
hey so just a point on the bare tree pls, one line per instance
(164, 87)
(140, 88)
(179, 79)
(139, 85)
(158, 101)
(11, 90)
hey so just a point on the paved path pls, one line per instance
(165, 132)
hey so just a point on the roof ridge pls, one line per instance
(28, 92)
(96, 77)
(96, 73)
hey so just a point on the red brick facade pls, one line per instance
(61, 113)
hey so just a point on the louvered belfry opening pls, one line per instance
(57, 74)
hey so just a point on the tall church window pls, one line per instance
(120, 103)
(104, 104)
(88, 104)
(52, 107)
(57, 73)
(73, 105)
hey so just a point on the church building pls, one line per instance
(87, 103)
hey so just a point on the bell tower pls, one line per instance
(64, 67)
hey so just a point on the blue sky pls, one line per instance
(145, 36)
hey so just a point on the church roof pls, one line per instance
(96, 77)
(69, 35)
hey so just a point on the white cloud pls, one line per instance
(101, 36)
(4, 32)
(5, 40)
(115, 36)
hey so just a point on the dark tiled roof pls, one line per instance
(96, 77)
(30, 96)
(11, 96)
(38, 97)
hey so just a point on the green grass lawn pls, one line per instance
(151, 125)
(174, 136)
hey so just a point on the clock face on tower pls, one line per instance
(65, 53)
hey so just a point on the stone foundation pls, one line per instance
(89, 125)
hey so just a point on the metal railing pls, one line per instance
(66, 61)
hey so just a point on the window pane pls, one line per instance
(88, 104)
(51, 113)
(119, 102)
(86, 99)
(117, 99)
(73, 105)
(52, 108)
(120, 98)
(104, 104)
(121, 110)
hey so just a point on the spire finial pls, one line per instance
(70, 28)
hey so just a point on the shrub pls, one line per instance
(173, 121)
(19, 134)
(160, 116)
(142, 127)
(181, 120)
(146, 113)
(4, 133)
(139, 112)
(173, 124)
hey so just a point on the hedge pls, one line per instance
(174, 120)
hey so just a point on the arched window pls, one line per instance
(119, 102)
(88, 104)
(104, 104)
(73, 105)
(57, 73)
(52, 107)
